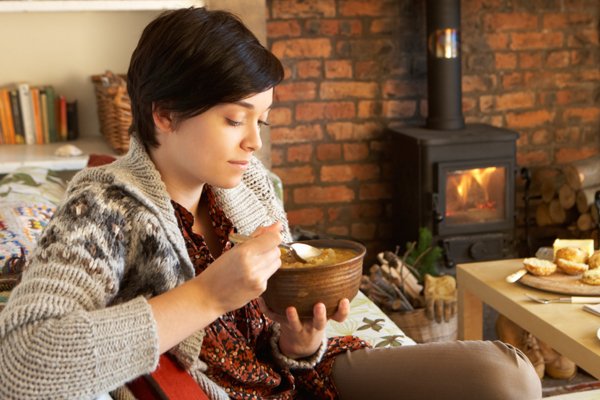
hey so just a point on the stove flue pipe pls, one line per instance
(444, 91)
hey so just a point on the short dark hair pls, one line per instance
(192, 59)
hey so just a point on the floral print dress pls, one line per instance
(236, 348)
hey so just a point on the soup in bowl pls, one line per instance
(328, 278)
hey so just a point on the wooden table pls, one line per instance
(565, 327)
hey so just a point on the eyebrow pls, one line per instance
(248, 105)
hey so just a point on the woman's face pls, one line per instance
(215, 147)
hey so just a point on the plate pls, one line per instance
(560, 283)
(598, 333)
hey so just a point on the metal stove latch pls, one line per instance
(435, 205)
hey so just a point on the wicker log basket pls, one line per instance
(114, 109)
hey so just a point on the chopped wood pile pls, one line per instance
(567, 194)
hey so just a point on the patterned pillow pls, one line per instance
(28, 198)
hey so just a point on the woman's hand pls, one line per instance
(299, 338)
(240, 274)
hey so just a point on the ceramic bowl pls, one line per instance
(305, 286)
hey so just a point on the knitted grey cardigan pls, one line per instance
(79, 324)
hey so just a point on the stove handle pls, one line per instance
(435, 204)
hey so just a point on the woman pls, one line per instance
(136, 262)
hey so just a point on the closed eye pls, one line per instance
(232, 122)
(263, 123)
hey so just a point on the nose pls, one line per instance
(252, 142)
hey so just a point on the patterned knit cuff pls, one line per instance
(289, 363)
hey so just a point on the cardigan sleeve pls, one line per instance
(58, 336)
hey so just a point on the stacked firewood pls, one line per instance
(567, 194)
(392, 284)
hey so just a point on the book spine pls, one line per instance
(44, 113)
(72, 120)
(3, 122)
(62, 117)
(27, 112)
(51, 101)
(9, 133)
(17, 117)
(37, 115)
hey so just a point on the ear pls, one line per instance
(162, 119)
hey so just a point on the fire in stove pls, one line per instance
(475, 195)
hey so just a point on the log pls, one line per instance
(546, 181)
(557, 213)
(566, 196)
(583, 173)
(585, 198)
(594, 214)
(585, 222)
(542, 215)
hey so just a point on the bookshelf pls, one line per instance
(63, 43)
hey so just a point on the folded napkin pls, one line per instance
(593, 308)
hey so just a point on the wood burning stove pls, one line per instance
(456, 180)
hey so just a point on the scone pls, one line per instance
(571, 253)
(538, 266)
(591, 277)
(571, 267)
(594, 260)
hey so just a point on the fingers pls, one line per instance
(438, 310)
(319, 316)
(342, 311)
(275, 227)
(429, 309)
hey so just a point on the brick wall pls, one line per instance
(354, 66)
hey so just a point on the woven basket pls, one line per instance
(423, 330)
(114, 109)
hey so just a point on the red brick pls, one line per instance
(349, 89)
(546, 79)
(295, 175)
(531, 59)
(353, 131)
(570, 96)
(533, 158)
(582, 115)
(302, 48)
(375, 191)
(528, 119)
(558, 59)
(338, 69)
(385, 25)
(277, 158)
(300, 153)
(497, 41)
(506, 60)
(355, 211)
(571, 134)
(469, 104)
(305, 216)
(399, 109)
(312, 111)
(563, 20)
(300, 133)
(323, 194)
(476, 83)
(334, 27)
(497, 21)
(295, 91)
(486, 103)
(280, 116)
(339, 230)
(367, 8)
(364, 49)
(582, 38)
(363, 231)
(514, 101)
(329, 152)
(566, 155)
(277, 29)
(309, 69)
(369, 109)
(349, 172)
(355, 151)
(536, 40)
(399, 89)
(512, 80)
(541, 137)
(367, 69)
(302, 8)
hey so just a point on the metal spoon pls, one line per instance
(300, 251)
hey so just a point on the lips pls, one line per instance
(240, 164)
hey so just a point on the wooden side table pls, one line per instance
(565, 327)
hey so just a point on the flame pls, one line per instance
(467, 183)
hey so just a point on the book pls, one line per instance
(17, 117)
(51, 101)
(72, 120)
(44, 115)
(26, 112)
(61, 112)
(37, 115)
(9, 131)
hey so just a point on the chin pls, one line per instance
(229, 183)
